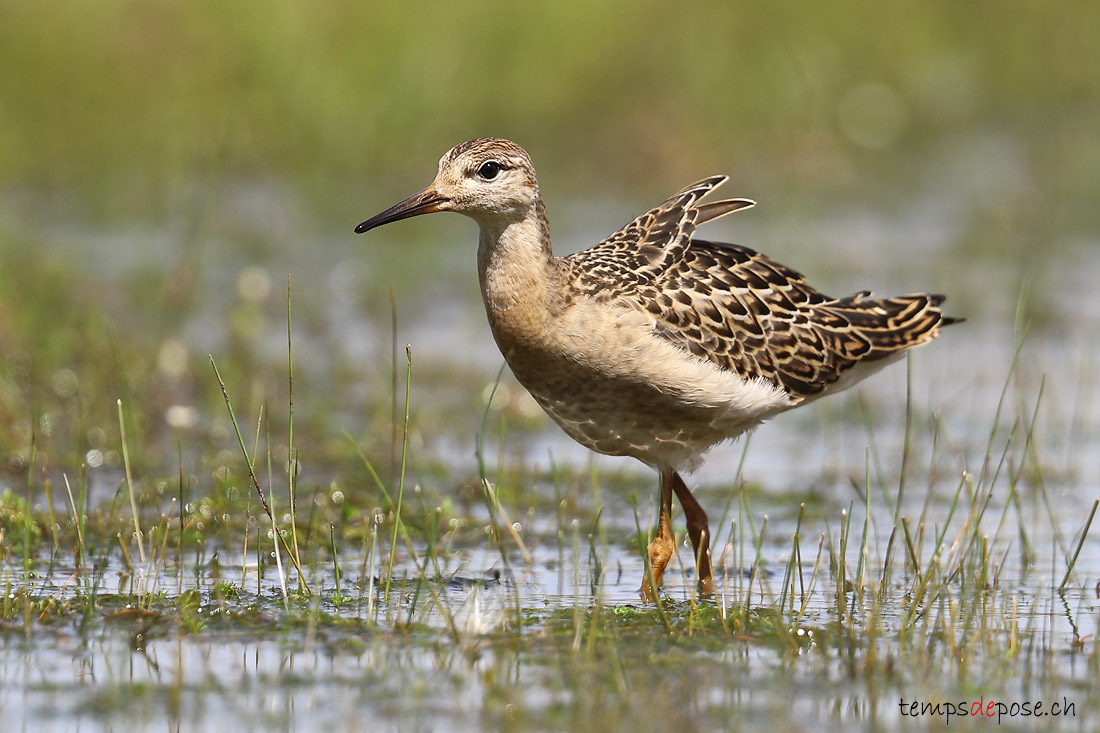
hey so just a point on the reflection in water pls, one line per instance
(489, 638)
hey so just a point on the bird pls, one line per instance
(655, 344)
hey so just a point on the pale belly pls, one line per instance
(623, 391)
(622, 419)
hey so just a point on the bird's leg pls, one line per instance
(663, 545)
(698, 531)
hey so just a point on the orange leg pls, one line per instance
(663, 545)
(698, 531)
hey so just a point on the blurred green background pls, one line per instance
(126, 105)
(164, 165)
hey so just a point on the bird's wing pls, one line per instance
(757, 318)
(655, 242)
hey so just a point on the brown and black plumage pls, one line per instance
(654, 344)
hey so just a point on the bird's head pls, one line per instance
(488, 178)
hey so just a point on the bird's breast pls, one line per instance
(605, 376)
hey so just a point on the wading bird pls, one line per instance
(654, 344)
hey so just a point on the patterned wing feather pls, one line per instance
(751, 315)
(645, 248)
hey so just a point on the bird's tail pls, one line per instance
(892, 325)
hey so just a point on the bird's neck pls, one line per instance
(517, 271)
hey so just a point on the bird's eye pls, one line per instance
(489, 170)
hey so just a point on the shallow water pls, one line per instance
(255, 672)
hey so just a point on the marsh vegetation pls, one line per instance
(433, 553)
